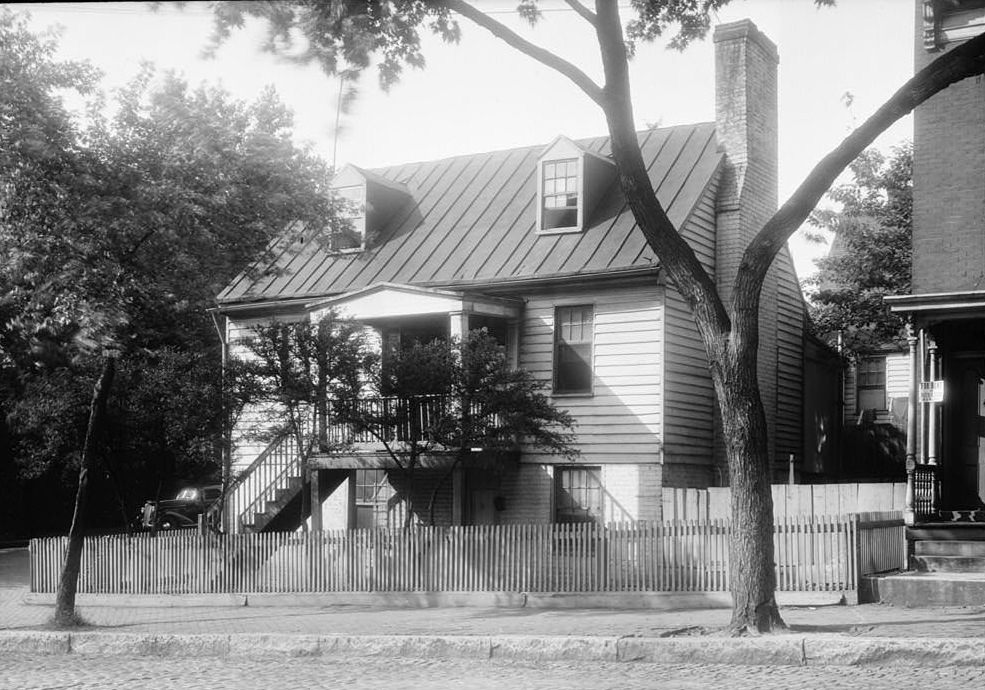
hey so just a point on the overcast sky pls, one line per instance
(481, 95)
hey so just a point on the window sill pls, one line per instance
(589, 394)
(558, 231)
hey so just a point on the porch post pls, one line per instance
(457, 496)
(932, 427)
(911, 425)
(458, 325)
(313, 479)
(513, 342)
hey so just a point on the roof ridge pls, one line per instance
(583, 141)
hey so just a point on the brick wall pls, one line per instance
(746, 127)
(949, 184)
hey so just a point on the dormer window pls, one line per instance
(368, 202)
(349, 235)
(571, 181)
(561, 194)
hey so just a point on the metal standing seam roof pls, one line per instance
(472, 220)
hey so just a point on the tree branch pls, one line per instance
(582, 11)
(960, 63)
(545, 57)
(676, 256)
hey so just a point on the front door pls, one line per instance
(969, 442)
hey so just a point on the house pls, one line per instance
(538, 245)
(945, 453)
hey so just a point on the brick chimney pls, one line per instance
(746, 127)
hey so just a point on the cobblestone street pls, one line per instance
(24, 672)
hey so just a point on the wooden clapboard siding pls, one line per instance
(789, 412)
(621, 421)
(897, 383)
(689, 400)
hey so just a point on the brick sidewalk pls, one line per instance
(868, 620)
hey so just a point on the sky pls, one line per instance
(481, 95)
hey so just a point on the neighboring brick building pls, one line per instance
(539, 245)
(946, 431)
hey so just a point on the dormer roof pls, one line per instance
(471, 221)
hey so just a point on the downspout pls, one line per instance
(225, 440)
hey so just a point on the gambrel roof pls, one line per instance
(470, 221)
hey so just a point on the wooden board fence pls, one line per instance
(818, 553)
(789, 500)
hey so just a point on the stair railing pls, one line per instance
(272, 470)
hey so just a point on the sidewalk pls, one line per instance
(870, 634)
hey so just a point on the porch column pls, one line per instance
(457, 496)
(932, 425)
(911, 424)
(313, 480)
(458, 326)
(513, 343)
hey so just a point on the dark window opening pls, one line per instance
(573, 337)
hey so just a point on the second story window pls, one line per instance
(573, 338)
(349, 234)
(871, 383)
(560, 194)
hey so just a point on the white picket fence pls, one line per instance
(813, 554)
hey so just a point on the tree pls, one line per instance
(117, 232)
(340, 37)
(870, 252)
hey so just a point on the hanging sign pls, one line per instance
(931, 391)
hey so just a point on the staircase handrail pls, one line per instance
(236, 486)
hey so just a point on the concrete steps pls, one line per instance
(947, 568)
(921, 590)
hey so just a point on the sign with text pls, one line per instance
(931, 391)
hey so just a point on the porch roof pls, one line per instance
(939, 307)
(391, 300)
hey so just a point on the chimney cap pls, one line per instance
(746, 29)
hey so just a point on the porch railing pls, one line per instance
(821, 553)
(387, 418)
(391, 419)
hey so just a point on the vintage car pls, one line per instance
(180, 512)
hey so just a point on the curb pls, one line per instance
(782, 650)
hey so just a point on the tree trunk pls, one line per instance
(751, 567)
(69, 580)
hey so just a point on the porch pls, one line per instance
(945, 422)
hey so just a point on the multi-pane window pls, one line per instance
(373, 494)
(578, 494)
(573, 335)
(560, 194)
(349, 233)
(871, 383)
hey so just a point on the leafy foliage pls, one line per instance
(870, 254)
(117, 232)
(342, 37)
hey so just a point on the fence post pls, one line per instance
(852, 596)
